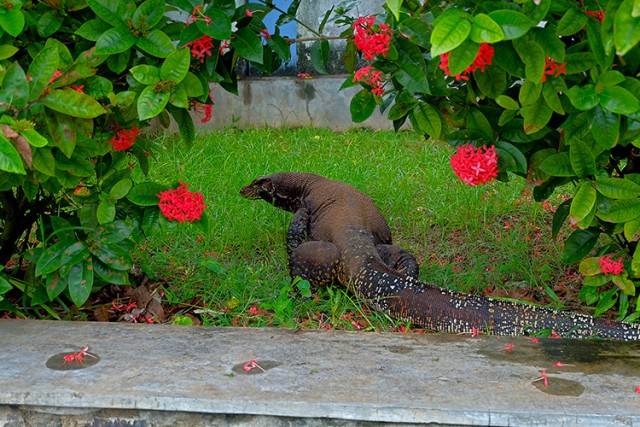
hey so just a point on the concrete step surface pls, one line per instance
(163, 375)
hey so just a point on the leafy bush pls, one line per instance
(79, 79)
(549, 87)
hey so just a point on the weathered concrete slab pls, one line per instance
(289, 102)
(145, 371)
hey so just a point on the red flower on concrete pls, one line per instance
(372, 39)
(372, 77)
(201, 47)
(475, 165)
(203, 111)
(181, 205)
(124, 138)
(483, 58)
(609, 266)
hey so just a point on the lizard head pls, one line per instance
(267, 189)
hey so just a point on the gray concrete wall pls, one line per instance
(289, 102)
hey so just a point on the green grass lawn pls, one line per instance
(491, 239)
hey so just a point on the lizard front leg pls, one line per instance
(298, 232)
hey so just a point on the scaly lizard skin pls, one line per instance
(337, 234)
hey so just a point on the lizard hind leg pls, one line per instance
(316, 261)
(399, 259)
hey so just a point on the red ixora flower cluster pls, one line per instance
(372, 77)
(201, 47)
(371, 39)
(609, 266)
(475, 165)
(181, 204)
(124, 138)
(483, 58)
(599, 15)
(552, 68)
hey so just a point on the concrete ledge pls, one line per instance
(169, 375)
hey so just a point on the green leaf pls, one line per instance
(416, 31)
(148, 14)
(75, 104)
(119, 62)
(562, 213)
(146, 194)
(34, 138)
(571, 22)
(362, 106)
(219, 28)
(7, 51)
(536, 116)
(450, 32)
(627, 286)
(485, 30)
(626, 27)
(115, 231)
(247, 44)
(14, 89)
(51, 258)
(81, 282)
(93, 29)
(589, 267)
(519, 158)
(582, 160)
(607, 301)
(320, 55)
(43, 161)
(150, 224)
(12, 21)
(631, 228)
(42, 68)
(619, 211)
(578, 245)
(394, 7)
(534, 59)
(492, 82)
(619, 100)
(10, 160)
(550, 43)
(156, 43)
(583, 97)
(111, 254)
(412, 77)
(617, 188)
(121, 189)
(106, 211)
(115, 40)
(280, 46)
(185, 124)
(462, 57)
(108, 275)
(557, 165)
(529, 92)
(176, 66)
(514, 24)
(55, 284)
(583, 202)
(426, 119)
(507, 102)
(112, 11)
(404, 103)
(48, 24)
(75, 253)
(146, 74)
(151, 103)
(579, 62)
